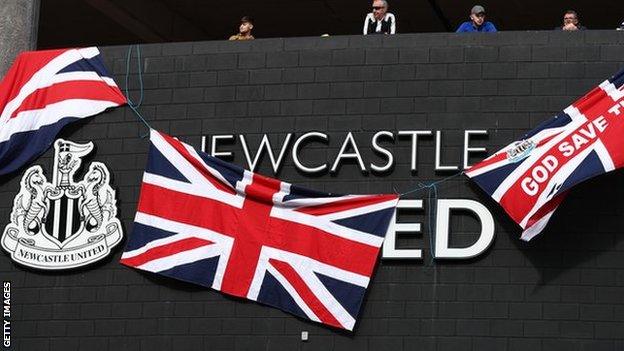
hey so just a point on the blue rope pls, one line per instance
(432, 196)
(135, 106)
(128, 57)
(433, 204)
(426, 186)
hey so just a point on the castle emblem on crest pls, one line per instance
(63, 224)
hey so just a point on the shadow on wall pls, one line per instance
(587, 228)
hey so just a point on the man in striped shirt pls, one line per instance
(380, 21)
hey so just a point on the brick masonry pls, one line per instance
(562, 291)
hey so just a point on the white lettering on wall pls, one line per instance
(414, 134)
(378, 149)
(486, 237)
(438, 154)
(389, 249)
(343, 154)
(265, 144)
(214, 144)
(297, 146)
(468, 149)
(442, 231)
(350, 150)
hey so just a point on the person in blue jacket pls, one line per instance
(477, 22)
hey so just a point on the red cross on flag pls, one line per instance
(529, 178)
(209, 222)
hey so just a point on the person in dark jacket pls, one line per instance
(570, 21)
(477, 22)
(380, 21)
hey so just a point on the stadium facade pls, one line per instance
(562, 291)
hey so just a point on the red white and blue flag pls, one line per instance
(44, 91)
(205, 221)
(530, 178)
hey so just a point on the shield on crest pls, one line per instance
(63, 220)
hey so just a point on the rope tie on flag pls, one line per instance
(134, 106)
(432, 197)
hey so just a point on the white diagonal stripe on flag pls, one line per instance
(327, 226)
(293, 293)
(40, 78)
(34, 119)
(181, 258)
(359, 211)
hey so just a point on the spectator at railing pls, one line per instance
(477, 22)
(244, 29)
(380, 21)
(571, 21)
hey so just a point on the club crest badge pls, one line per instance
(63, 224)
(520, 150)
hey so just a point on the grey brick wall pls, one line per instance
(562, 291)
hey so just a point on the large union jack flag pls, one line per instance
(208, 222)
(530, 178)
(44, 91)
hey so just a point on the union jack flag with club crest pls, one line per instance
(531, 177)
(205, 221)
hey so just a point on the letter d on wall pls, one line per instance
(442, 229)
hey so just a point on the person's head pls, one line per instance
(477, 15)
(380, 7)
(246, 25)
(570, 17)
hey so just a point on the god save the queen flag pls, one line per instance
(530, 178)
(211, 223)
(44, 91)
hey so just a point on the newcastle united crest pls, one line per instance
(64, 224)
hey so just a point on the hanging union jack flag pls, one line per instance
(208, 222)
(44, 91)
(530, 178)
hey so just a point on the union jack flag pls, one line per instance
(530, 178)
(208, 222)
(44, 91)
